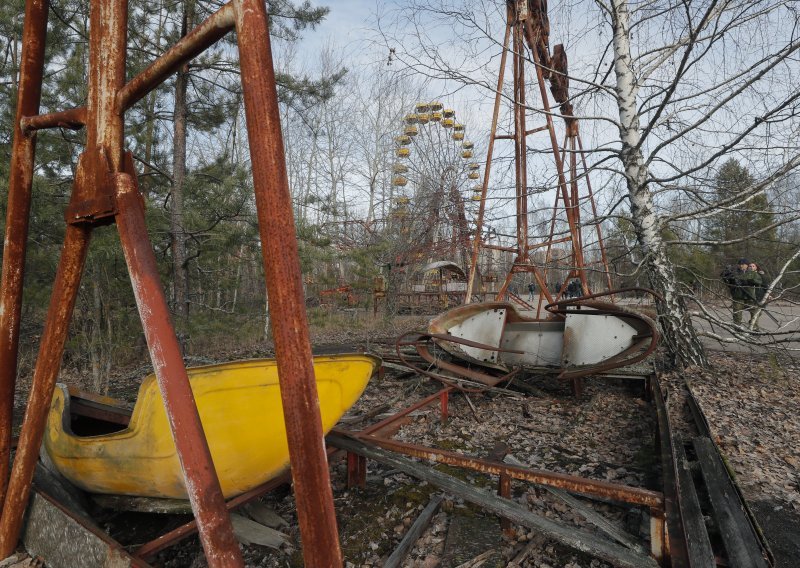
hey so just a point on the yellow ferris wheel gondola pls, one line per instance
(399, 168)
(473, 166)
(411, 118)
(466, 154)
(423, 108)
(436, 116)
(467, 145)
(458, 127)
(435, 106)
(448, 122)
(410, 130)
(403, 200)
(449, 113)
(403, 152)
(403, 140)
(473, 175)
(399, 181)
(458, 135)
(423, 117)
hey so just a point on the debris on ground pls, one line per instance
(607, 434)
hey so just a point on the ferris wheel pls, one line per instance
(432, 115)
(435, 177)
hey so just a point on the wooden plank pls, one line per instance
(468, 536)
(263, 514)
(588, 513)
(569, 536)
(416, 530)
(251, 532)
(701, 554)
(672, 542)
(66, 540)
(144, 504)
(737, 533)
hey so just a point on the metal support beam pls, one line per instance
(313, 492)
(202, 484)
(51, 348)
(17, 219)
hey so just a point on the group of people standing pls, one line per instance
(572, 289)
(748, 284)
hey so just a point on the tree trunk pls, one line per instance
(683, 345)
(180, 282)
(150, 117)
(95, 338)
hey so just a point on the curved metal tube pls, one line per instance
(421, 343)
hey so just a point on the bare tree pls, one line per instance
(668, 92)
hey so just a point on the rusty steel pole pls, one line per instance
(106, 131)
(309, 463)
(202, 484)
(521, 146)
(17, 218)
(62, 301)
(478, 240)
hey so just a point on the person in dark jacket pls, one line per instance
(531, 291)
(743, 283)
(761, 290)
(574, 289)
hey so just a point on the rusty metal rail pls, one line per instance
(665, 545)
(104, 192)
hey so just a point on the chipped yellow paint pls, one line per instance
(241, 411)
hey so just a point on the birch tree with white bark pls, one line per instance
(666, 92)
(678, 106)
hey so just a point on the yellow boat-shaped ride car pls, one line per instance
(240, 407)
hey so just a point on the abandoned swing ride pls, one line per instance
(184, 415)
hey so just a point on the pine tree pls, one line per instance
(743, 226)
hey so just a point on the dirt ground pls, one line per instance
(751, 402)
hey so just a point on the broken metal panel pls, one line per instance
(482, 327)
(541, 341)
(590, 339)
(437, 367)
(583, 336)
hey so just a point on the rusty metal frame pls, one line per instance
(422, 343)
(527, 24)
(105, 191)
(658, 504)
